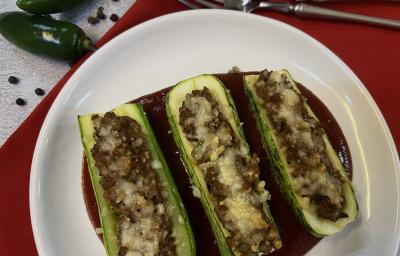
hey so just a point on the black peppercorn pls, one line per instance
(93, 20)
(20, 101)
(100, 13)
(114, 17)
(13, 80)
(39, 91)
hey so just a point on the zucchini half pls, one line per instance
(318, 226)
(181, 229)
(174, 101)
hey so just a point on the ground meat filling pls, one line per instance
(231, 175)
(316, 181)
(131, 186)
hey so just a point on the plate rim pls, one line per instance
(69, 86)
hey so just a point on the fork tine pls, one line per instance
(208, 4)
(188, 4)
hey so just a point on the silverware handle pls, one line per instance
(315, 12)
(349, 1)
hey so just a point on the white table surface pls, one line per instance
(34, 71)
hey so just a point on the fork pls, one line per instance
(300, 10)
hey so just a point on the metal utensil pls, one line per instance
(301, 10)
(348, 1)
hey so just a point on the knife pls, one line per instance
(304, 10)
(349, 1)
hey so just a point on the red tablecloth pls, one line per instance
(372, 53)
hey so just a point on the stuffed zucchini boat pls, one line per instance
(224, 176)
(306, 166)
(140, 210)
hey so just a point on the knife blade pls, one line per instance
(303, 10)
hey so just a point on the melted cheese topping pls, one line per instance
(242, 212)
(315, 179)
(131, 186)
(139, 237)
(228, 161)
(228, 174)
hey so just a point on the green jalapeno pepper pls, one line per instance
(47, 6)
(45, 36)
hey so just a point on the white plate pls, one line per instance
(163, 51)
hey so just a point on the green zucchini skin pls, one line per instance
(317, 226)
(181, 229)
(174, 101)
